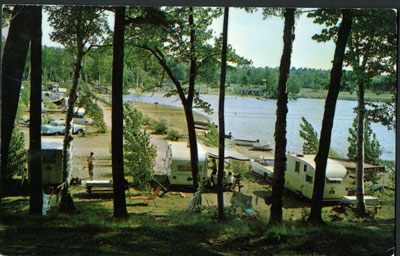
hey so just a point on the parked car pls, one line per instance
(58, 127)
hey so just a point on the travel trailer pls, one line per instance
(52, 174)
(178, 167)
(300, 175)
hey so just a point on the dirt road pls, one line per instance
(100, 144)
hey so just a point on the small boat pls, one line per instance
(261, 147)
(247, 143)
(200, 123)
(201, 127)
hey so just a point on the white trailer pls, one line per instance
(300, 175)
(178, 166)
(52, 171)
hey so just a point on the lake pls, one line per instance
(250, 118)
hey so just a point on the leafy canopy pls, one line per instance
(77, 26)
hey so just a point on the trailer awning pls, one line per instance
(229, 154)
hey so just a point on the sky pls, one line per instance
(261, 40)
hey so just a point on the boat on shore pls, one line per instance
(261, 147)
(246, 143)
(200, 123)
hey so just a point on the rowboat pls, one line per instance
(200, 123)
(247, 143)
(261, 147)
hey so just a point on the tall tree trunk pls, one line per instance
(194, 155)
(191, 128)
(34, 158)
(117, 116)
(66, 202)
(327, 123)
(221, 117)
(280, 125)
(13, 65)
(360, 150)
(187, 104)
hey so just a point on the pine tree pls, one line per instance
(372, 148)
(310, 137)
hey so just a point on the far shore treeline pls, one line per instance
(144, 74)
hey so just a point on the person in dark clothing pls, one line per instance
(214, 171)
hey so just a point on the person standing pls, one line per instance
(214, 172)
(90, 161)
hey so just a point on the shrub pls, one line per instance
(139, 154)
(173, 135)
(211, 138)
(17, 155)
(93, 111)
(160, 127)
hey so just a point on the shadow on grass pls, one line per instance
(95, 232)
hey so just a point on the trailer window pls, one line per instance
(305, 168)
(309, 178)
(333, 181)
(49, 158)
(297, 167)
(183, 168)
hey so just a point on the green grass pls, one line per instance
(163, 230)
(321, 94)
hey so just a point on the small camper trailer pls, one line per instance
(52, 173)
(300, 175)
(178, 166)
(177, 163)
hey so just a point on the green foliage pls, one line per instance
(74, 25)
(241, 167)
(25, 93)
(310, 137)
(267, 78)
(372, 148)
(211, 138)
(92, 109)
(173, 135)
(139, 154)
(17, 156)
(160, 126)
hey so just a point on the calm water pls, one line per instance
(249, 118)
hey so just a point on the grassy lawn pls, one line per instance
(175, 117)
(165, 227)
(168, 229)
(321, 94)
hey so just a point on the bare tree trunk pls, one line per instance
(66, 202)
(280, 125)
(327, 123)
(191, 128)
(13, 64)
(221, 118)
(35, 148)
(360, 151)
(117, 116)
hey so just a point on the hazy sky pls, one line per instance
(261, 40)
